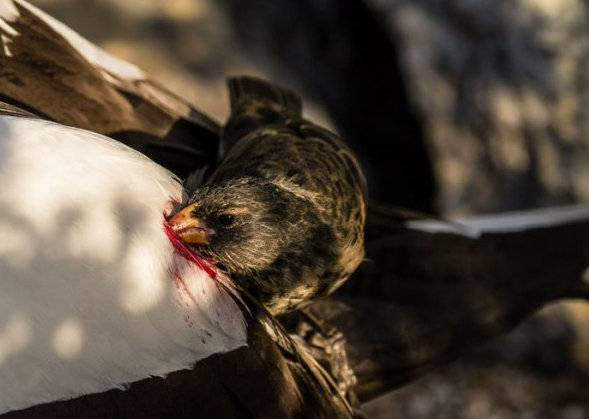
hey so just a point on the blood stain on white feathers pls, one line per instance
(187, 253)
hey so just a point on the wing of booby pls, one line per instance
(53, 72)
(451, 284)
(93, 293)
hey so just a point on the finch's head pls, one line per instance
(243, 225)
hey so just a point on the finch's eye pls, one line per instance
(226, 220)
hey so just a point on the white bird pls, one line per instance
(94, 293)
(100, 305)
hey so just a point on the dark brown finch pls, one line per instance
(284, 211)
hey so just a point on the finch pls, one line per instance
(283, 213)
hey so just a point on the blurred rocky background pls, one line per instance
(455, 107)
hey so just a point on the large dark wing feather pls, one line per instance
(10, 110)
(422, 299)
(269, 379)
(48, 76)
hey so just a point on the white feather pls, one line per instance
(92, 293)
(8, 11)
(474, 226)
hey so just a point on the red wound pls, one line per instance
(182, 248)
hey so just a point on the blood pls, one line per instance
(187, 253)
(206, 265)
(183, 291)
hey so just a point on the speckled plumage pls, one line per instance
(296, 195)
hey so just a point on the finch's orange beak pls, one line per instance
(190, 229)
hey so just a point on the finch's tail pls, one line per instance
(256, 103)
(245, 90)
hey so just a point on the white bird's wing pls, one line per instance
(117, 71)
(507, 222)
(93, 294)
(53, 72)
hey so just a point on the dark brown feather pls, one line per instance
(10, 110)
